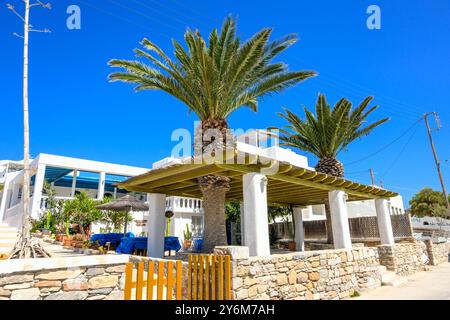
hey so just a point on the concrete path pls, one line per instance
(424, 285)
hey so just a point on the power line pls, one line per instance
(400, 153)
(385, 146)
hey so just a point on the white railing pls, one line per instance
(184, 204)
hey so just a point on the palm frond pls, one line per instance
(213, 77)
(329, 130)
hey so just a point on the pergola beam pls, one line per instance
(289, 185)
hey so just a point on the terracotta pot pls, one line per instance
(187, 244)
(77, 243)
(292, 246)
(67, 242)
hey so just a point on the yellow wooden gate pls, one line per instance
(208, 278)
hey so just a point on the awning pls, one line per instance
(289, 185)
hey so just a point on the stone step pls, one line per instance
(7, 242)
(7, 229)
(8, 235)
(390, 278)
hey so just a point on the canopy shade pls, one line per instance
(289, 185)
(126, 203)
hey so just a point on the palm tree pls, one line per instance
(213, 79)
(328, 133)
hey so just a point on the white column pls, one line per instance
(339, 219)
(241, 208)
(384, 221)
(299, 231)
(74, 183)
(256, 227)
(37, 191)
(101, 186)
(156, 224)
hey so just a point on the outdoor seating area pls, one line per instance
(138, 245)
(114, 239)
(290, 185)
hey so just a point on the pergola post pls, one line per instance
(241, 208)
(255, 217)
(74, 183)
(384, 222)
(299, 231)
(101, 185)
(156, 225)
(339, 219)
(37, 191)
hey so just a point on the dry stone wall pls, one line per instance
(403, 258)
(438, 252)
(103, 281)
(313, 275)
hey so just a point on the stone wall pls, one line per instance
(438, 252)
(403, 258)
(84, 278)
(311, 275)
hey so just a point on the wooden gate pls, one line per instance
(167, 287)
(208, 278)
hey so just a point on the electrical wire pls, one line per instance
(385, 146)
(400, 153)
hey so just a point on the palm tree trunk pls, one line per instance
(213, 188)
(214, 217)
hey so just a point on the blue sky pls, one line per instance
(74, 111)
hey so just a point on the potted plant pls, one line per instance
(292, 245)
(187, 238)
(78, 240)
(67, 241)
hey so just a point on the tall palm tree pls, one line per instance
(213, 78)
(327, 133)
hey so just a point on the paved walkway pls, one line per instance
(424, 285)
(58, 251)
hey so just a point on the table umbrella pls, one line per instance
(127, 204)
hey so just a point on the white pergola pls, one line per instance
(289, 185)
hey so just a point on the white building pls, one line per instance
(69, 176)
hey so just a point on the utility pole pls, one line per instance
(372, 177)
(24, 247)
(438, 164)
